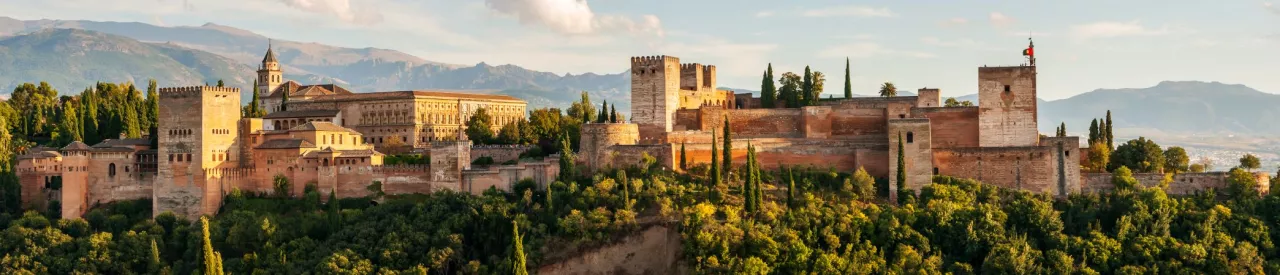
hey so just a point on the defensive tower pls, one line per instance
(269, 75)
(1007, 106)
(197, 132)
(655, 94)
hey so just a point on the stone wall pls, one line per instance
(917, 155)
(952, 127)
(755, 122)
(928, 98)
(1182, 184)
(503, 177)
(773, 152)
(499, 153)
(598, 138)
(1066, 151)
(687, 119)
(448, 160)
(655, 87)
(1007, 102)
(1027, 168)
(655, 250)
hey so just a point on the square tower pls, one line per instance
(1007, 106)
(197, 133)
(655, 94)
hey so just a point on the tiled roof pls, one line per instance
(359, 153)
(76, 146)
(319, 126)
(114, 149)
(303, 113)
(40, 155)
(294, 89)
(271, 56)
(286, 144)
(122, 142)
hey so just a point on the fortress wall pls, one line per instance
(1065, 151)
(687, 119)
(396, 180)
(817, 122)
(849, 122)
(504, 177)
(623, 156)
(1026, 168)
(1007, 102)
(1182, 184)
(755, 122)
(597, 138)
(953, 127)
(499, 153)
(773, 152)
(913, 136)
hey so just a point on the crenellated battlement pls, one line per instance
(401, 168)
(652, 61)
(192, 91)
(691, 68)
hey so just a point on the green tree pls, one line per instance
(220, 84)
(567, 171)
(603, 116)
(902, 169)
(1176, 160)
(728, 149)
(863, 184)
(151, 106)
(819, 83)
(683, 158)
(479, 127)
(1099, 157)
(848, 85)
(1062, 130)
(767, 96)
(806, 88)
(511, 134)
(888, 90)
(613, 114)
(1093, 131)
(1141, 155)
(280, 186)
(253, 110)
(952, 102)
(715, 161)
(790, 90)
(212, 259)
(1242, 186)
(69, 128)
(132, 127)
(518, 263)
(1250, 162)
(284, 100)
(1111, 138)
(582, 109)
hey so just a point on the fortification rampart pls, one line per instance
(953, 127)
(912, 137)
(499, 153)
(504, 177)
(1180, 184)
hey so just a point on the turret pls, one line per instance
(269, 74)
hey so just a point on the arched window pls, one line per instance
(911, 137)
(935, 171)
(111, 170)
(326, 162)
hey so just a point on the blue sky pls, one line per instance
(1081, 45)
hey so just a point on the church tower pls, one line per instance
(269, 75)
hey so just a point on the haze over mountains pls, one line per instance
(72, 55)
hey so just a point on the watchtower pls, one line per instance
(197, 132)
(655, 94)
(270, 75)
(1007, 106)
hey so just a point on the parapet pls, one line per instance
(191, 91)
(652, 61)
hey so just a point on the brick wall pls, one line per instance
(952, 127)
(1027, 168)
(1007, 102)
(499, 153)
(918, 154)
(597, 138)
(655, 87)
(1182, 184)
(503, 177)
(755, 122)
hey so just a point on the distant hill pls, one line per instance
(71, 60)
(1171, 107)
(362, 70)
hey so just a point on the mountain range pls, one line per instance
(74, 54)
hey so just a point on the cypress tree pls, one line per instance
(613, 114)
(132, 129)
(715, 161)
(791, 189)
(902, 168)
(220, 84)
(151, 106)
(254, 109)
(518, 264)
(212, 259)
(766, 96)
(683, 160)
(626, 190)
(604, 112)
(284, 98)
(334, 211)
(848, 85)
(566, 160)
(806, 89)
(1093, 131)
(728, 149)
(748, 202)
(154, 265)
(1111, 138)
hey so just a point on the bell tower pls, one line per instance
(269, 75)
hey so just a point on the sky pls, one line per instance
(1080, 45)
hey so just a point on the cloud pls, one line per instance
(343, 9)
(1270, 7)
(858, 11)
(958, 43)
(1031, 33)
(764, 14)
(573, 17)
(1110, 29)
(859, 50)
(732, 59)
(999, 19)
(958, 21)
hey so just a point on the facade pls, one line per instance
(415, 118)
(322, 135)
(996, 142)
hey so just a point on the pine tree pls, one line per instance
(518, 264)
(1111, 138)
(806, 94)
(1093, 131)
(728, 149)
(715, 161)
(220, 84)
(902, 168)
(212, 259)
(683, 160)
(848, 85)
(151, 106)
(132, 129)
(613, 114)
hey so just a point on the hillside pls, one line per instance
(362, 69)
(1173, 107)
(71, 60)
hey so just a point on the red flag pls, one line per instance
(1029, 52)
